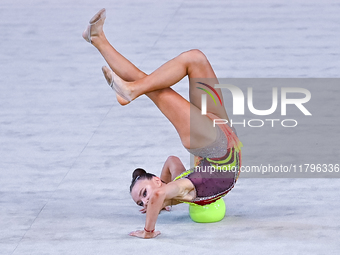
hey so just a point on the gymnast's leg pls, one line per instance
(117, 62)
(127, 71)
(157, 85)
(179, 111)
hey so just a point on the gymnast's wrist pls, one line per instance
(149, 231)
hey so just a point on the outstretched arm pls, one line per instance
(172, 167)
(159, 199)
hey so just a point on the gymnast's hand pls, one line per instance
(144, 234)
(143, 210)
(167, 208)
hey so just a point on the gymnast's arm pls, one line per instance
(159, 199)
(171, 169)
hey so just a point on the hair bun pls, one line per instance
(138, 172)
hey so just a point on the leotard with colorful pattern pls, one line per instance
(213, 178)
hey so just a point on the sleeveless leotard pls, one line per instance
(214, 175)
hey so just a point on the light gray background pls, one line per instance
(67, 148)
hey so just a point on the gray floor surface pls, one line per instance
(67, 147)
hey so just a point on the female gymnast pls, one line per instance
(214, 147)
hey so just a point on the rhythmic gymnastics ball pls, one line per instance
(207, 213)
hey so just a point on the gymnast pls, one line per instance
(211, 145)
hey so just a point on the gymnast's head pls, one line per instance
(142, 186)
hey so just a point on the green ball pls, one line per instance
(207, 213)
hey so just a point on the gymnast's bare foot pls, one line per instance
(117, 84)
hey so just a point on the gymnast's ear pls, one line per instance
(157, 180)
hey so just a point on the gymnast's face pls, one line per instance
(143, 189)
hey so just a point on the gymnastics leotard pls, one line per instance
(217, 166)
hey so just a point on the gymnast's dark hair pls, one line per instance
(140, 174)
